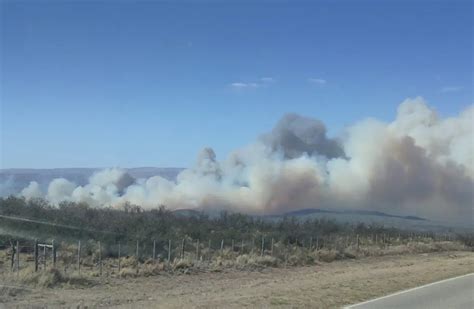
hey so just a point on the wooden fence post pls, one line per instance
(17, 256)
(209, 249)
(169, 250)
(311, 243)
(44, 256)
(79, 257)
(100, 259)
(137, 252)
(197, 249)
(263, 245)
(119, 254)
(12, 266)
(154, 250)
(36, 255)
(242, 247)
(182, 248)
(358, 242)
(232, 245)
(272, 247)
(222, 245)
(317, 243)
(53, 253)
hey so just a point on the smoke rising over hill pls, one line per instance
(418, 164)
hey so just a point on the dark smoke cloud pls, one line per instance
(296, 135)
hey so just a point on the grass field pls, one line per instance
(321, 285)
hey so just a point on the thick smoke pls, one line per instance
(418, 164)
(295, 135)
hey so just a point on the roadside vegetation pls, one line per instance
(132, 242)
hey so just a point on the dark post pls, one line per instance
(119, 256)
(36, 255)
(17, 255)
(44, 256)
(182, 248)
(100, 259)
(79, 257)
(272, 247)
(13, 257)
(136, 254)
(222, 245)
(169, 250)
(154, 250)
(263, 245)
(197, 249)
(53, 253)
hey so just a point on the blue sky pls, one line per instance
(86, 84)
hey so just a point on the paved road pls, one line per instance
(450, 293)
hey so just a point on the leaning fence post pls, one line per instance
(154, 249)
(263, 245)
(79, 257)
(36, 255)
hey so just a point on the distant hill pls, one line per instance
(352, 216)
(309, 211)
(13, 180)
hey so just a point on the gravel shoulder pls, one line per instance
(326, 285)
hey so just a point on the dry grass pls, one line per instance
(328, 285)
(49, 278)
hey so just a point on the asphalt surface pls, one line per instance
(450, 293)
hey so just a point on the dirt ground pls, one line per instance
(327, 285)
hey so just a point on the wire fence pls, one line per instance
(109, 257)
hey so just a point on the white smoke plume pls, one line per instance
(419, 164)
